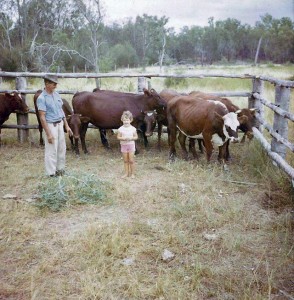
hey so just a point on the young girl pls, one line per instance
(127, 134)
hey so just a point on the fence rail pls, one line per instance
(279, 130)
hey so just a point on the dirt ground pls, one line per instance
(163, 195)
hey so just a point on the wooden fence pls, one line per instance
(276, 149)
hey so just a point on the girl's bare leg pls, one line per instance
(126, 165)
(132, 164)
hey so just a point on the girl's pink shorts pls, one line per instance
(127, 148)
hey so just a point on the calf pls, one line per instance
(11, 103)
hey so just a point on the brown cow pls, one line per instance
(160, 117)
(104, 108)
(246, 126)
(196, 118)
(249, 113)
(11, 103)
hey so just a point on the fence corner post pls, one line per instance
(22, 119)
(257, 87)
(280, 124)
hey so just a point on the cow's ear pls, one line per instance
(243, 119)
(146, 92)
(253, 110)
(238, 112)
(84, 119)
(217, 121)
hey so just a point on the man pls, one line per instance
(53, 119)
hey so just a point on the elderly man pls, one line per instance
(53, 119)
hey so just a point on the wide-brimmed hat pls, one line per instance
(52, 78)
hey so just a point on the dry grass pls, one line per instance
(79, 252)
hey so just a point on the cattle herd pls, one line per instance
(212, 121)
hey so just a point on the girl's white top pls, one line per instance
(127, 132)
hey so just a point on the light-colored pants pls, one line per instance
(55, 153)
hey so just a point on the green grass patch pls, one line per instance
(56, 193)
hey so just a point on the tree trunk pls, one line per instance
(257, 51)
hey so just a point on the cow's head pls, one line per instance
(74, 122)
(18, 105)
(248, 122)
(230, 127)
(150, 121)
(159, 102)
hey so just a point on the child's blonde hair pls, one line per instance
(127, 114)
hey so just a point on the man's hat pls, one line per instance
(52, 78)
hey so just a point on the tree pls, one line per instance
(91, 10)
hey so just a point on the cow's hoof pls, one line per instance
(226, 168)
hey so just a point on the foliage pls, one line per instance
(56, 193)
(50, 34)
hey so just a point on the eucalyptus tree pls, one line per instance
(149, 35)
(92, 13)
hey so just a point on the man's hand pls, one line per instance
(50, 139)
(69, 131)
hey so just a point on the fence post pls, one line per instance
(141, 84)
(257, 87)
(22, 119)
(149, 85)
(280, 125)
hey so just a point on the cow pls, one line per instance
(11, 103)
(249, 113)
(74, 122)
(196, 118)
(104, 108)
(248, 121)
(151, 117)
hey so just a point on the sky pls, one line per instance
(197, 12)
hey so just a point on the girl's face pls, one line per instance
(126, 121)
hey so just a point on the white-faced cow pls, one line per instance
(196, 118)
(11, 103)
(248, 115)
(104, 108)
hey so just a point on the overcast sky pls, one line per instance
(196, 12)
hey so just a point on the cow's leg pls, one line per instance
(145, 140)
(172, 140)
(71, 138)
(104, 138)
(83, 131)
(222, 152)
(227, 152)
(41, 136)
(182, 141)
(208, 146)
(200, 145)
(159, 130)
(192, 148)
(0, 137)
(76, 146)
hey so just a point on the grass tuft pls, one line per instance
(57, 193)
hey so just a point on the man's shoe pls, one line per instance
(59, 173)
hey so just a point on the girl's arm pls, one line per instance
(120, 136)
